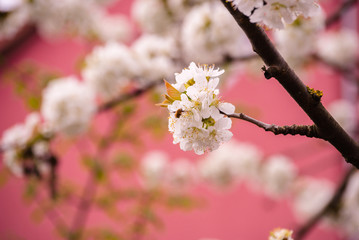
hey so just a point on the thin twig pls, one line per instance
(303, 130)
(332, 205)
(54, 217)
(327, 127)
(342, 9)
(122, 98)
(83, 208)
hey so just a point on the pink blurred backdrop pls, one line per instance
(238, 213)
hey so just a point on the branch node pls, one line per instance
(270, 72)
(316, 94)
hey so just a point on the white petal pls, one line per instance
(227, 108)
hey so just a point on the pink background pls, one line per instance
(238, 213)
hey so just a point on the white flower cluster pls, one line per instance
(196, 113)
(276, 13)
(340, 48)
(303, 35)
(68, 105)
(70, 17)
(281, 234)
(233, 162)
(155, 57)
(348, 218)
(204, 39)
(109, 68)
(157, 170)
(15, 18)
(310, 196)
(195, 28)
(15, 139)
(344, 112)
(278, 175)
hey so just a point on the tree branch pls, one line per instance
(327, 127)
(303, 130)
(345, 6)
(331, 205)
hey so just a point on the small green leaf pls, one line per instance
(34, 102)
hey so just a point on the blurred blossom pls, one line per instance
(345, 113)
(68, 105)
(155, 57)
(205, 39)
(152, 15)
(302, 34)
(75, 18)
(310, 196)
(349, 218)
(231, 162)
(278, 175)
(14, 21)
(40, 149)
(181, 174)
(109, 69)
(276, 13)
(281, 234)
(154, 166)
(10, 5)
(15, 139)
(340, 48)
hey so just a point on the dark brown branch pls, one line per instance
(122, 98)
(8, 47)
(303, 130)
(327, 127)
(332, 205)
(344, 7)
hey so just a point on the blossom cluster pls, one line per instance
(15, 144)
(198, 118)
(70, 17)
(276, 13)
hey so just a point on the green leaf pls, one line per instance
(4, 176)
(34, 102)
(124, 161)
(30, 190)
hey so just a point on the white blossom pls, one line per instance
(278, 174)
(345, 113)
(155, 57)
(310, 196)
(181, 174)
(302, 34)
(109, 69)
(152, 16)
(40, 149)
(195, 118)
(232, 162)
(15, 20)
(154, 166)
(281, 234)
(205, 39)
(246, 6)
(15, 139)
(340, 48)
(348, 216)
(112, 27)
(276, 13)
(74, 18)
(68, 105)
